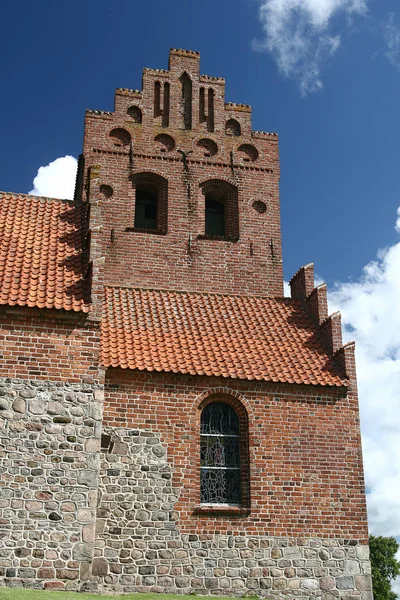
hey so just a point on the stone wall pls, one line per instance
(53, 476)
(49, 438)
(139, 547)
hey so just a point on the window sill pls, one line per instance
(222, 238)
(140, 230)
(221, 509)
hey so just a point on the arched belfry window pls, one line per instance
(151, 203)
(221, 210)
(220, 460)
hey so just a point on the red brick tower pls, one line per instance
(179, 153)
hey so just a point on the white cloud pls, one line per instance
(302, 35)
(57, 179)
(370, 310)
(391, 35)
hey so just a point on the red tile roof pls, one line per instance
(41, 258)
(245, 337)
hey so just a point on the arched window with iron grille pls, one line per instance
(220, 460)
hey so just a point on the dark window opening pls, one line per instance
(220, 477)
(186, 83)
(210, 120)
(215, 216)
(157, 99)
(165, 112)
(145, 210)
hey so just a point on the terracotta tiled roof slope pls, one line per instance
(246, 337)
(41, 258)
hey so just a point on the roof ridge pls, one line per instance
(33, 196)
(187, 292)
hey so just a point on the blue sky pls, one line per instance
(339, 147)
(324, 74)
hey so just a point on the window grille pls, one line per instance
(220, 455)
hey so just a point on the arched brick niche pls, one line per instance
(164, 142)
(247, 153)
(120, 137)
(221, 210)
(135, 113)
(151, 203)
(259, 206)
(207, 147)
(232, 127)
(106, 191)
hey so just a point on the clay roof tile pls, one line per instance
(246, 337)
(41, 259)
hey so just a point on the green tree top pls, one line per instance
(384, 565)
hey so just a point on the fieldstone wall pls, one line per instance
(139, 548)
(49, 460)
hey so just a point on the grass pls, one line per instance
(21, 594)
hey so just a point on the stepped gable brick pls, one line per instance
(314, 302)
(42, 262)
(245, 337)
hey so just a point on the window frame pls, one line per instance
(244, 459)
(228, 194)
(209, 468)
(156, 185)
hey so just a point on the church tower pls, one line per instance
(186, 195)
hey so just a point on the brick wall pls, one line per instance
(46, 344)
(304, 452)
